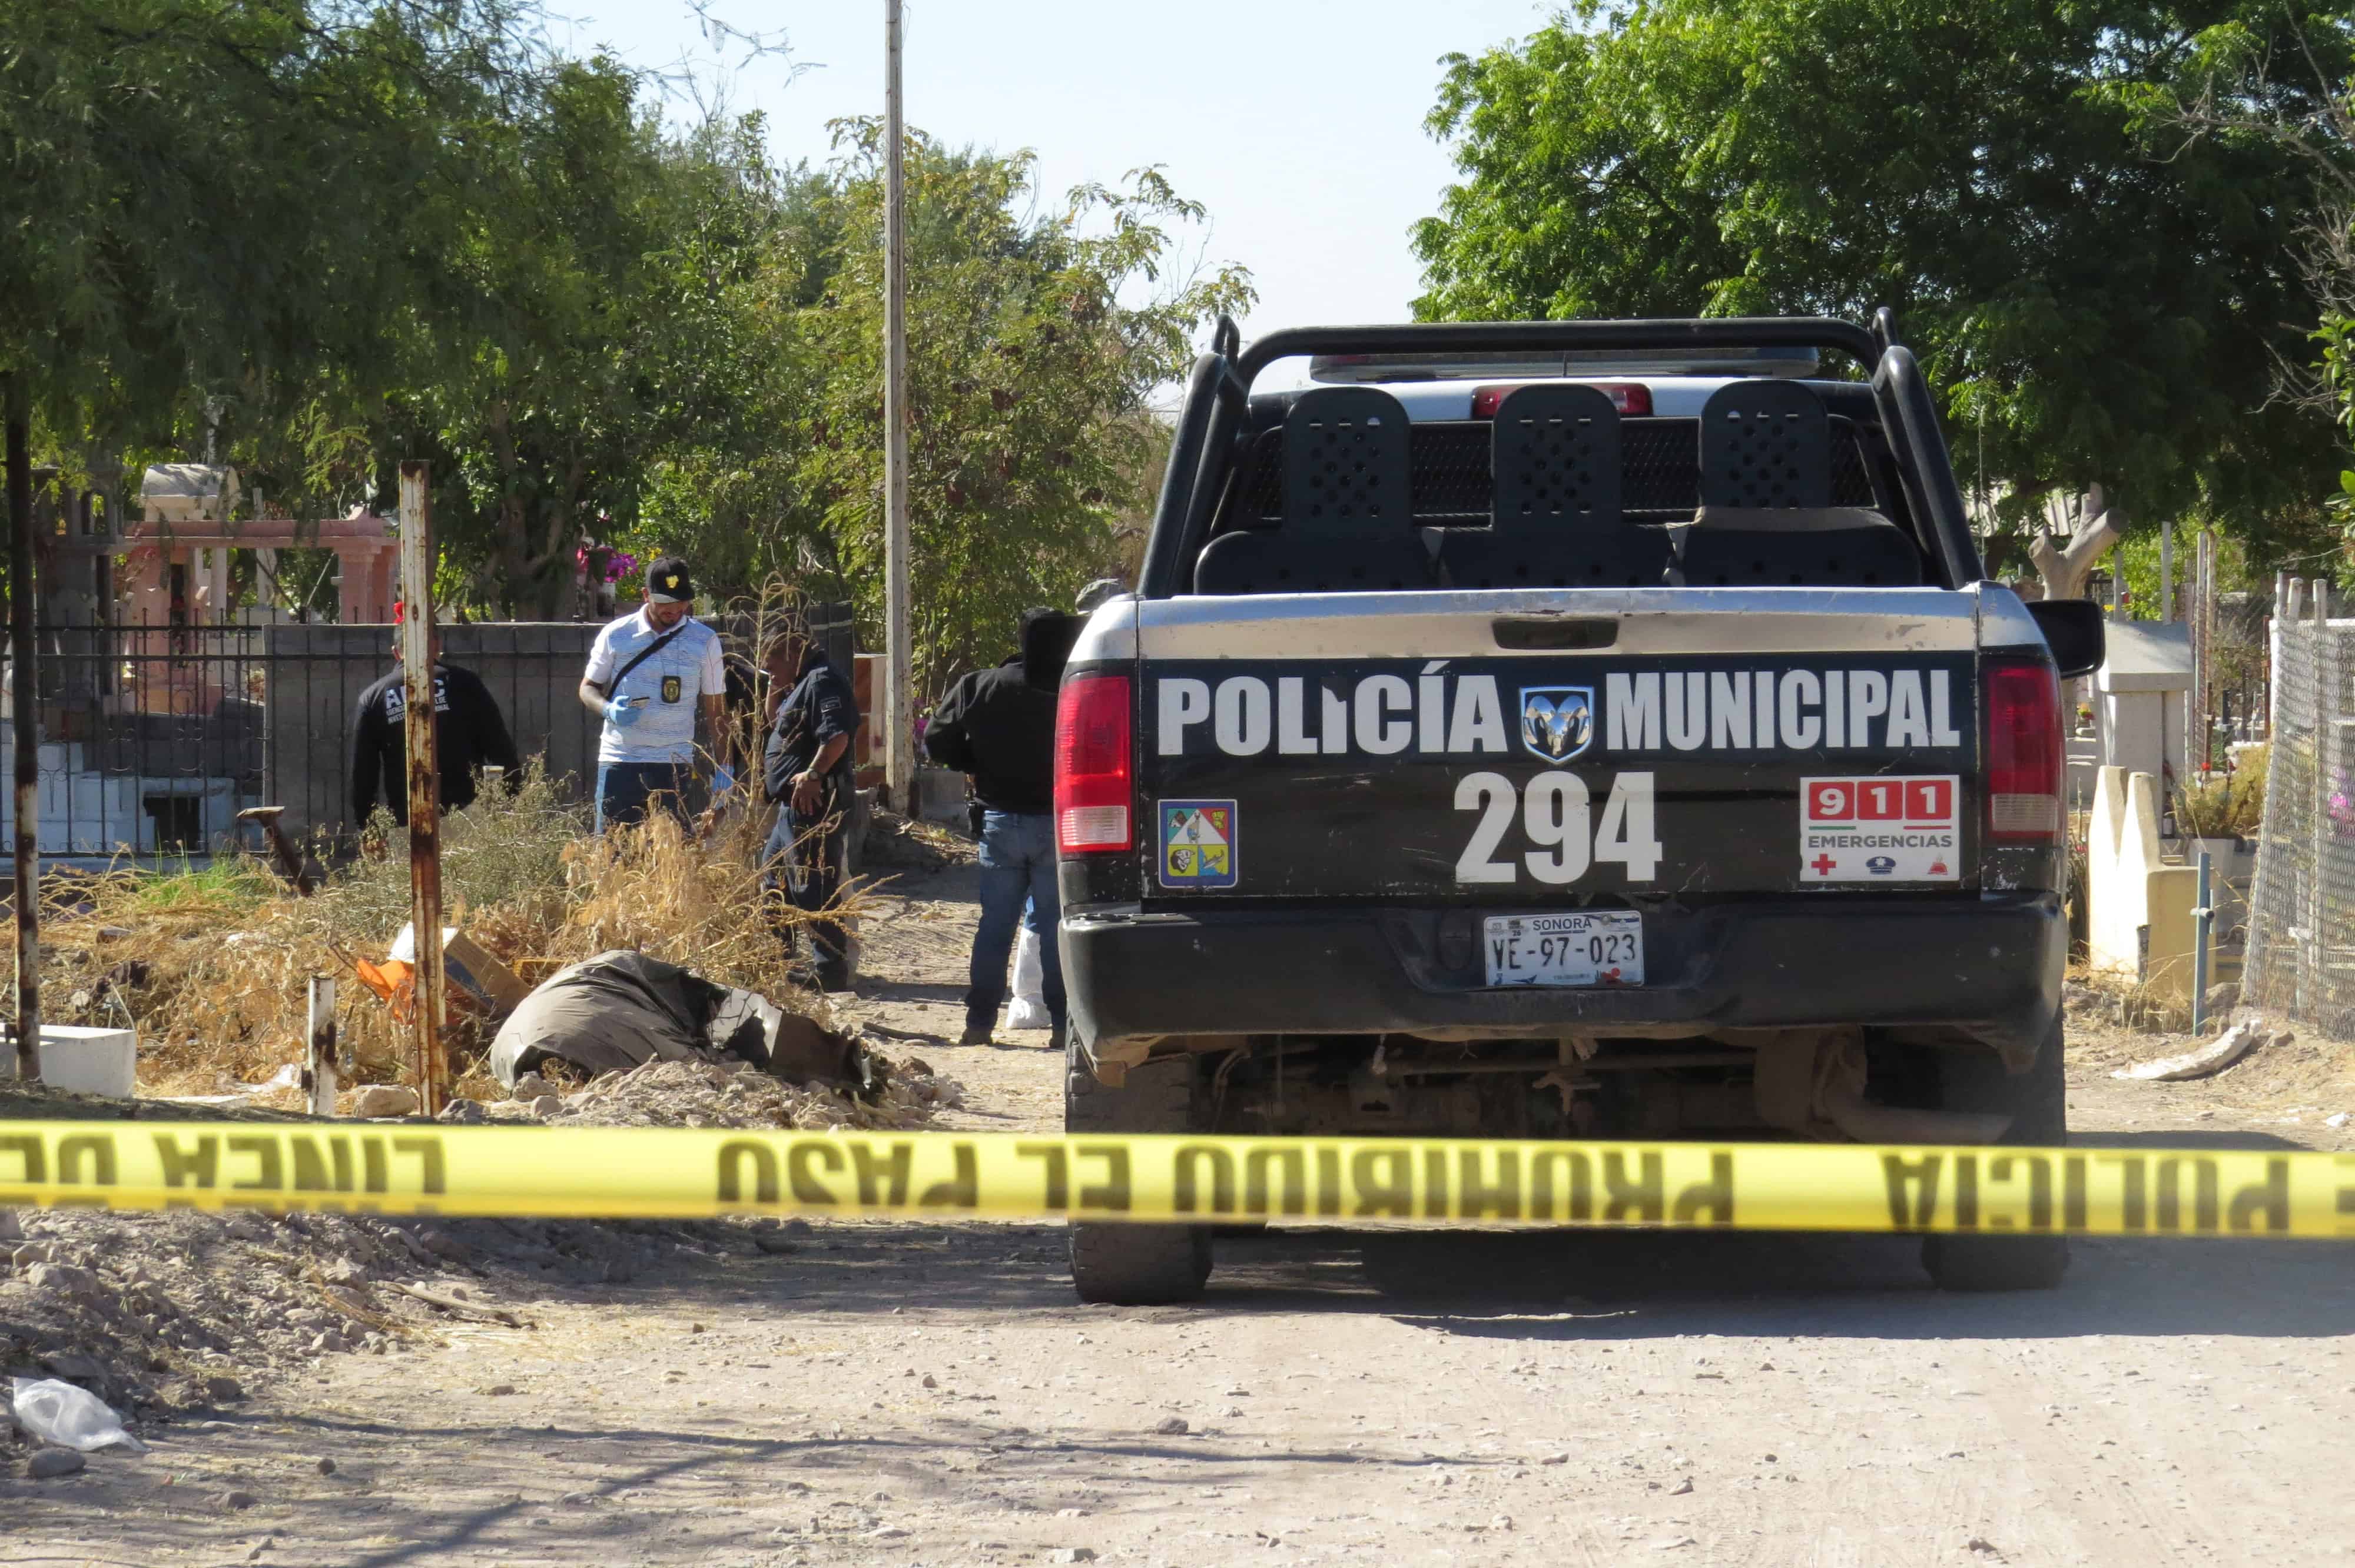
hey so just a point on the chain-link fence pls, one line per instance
(2301, 952)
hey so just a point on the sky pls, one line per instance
(1298, 123)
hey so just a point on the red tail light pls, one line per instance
(2025, 758)
(1631, 398)
(1093, 787)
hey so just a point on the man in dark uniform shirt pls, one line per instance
(806, 769)
(469, 734)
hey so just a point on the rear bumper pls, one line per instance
(1990, 966)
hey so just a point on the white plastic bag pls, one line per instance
(1028, 1010)
(70, 1417)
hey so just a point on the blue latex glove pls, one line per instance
(723, 782)
(624, 712)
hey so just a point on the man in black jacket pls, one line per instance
(999, 726)
(469, 732)
(806, 769)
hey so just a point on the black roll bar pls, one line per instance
(1186, 448)
(1900, 387)
(1487, 337)
(1217, 391)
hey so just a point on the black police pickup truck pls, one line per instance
(1563, 730)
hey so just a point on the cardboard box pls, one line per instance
(467, 963)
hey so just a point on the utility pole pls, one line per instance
(24, 695)
(424, 781)
(899, 717)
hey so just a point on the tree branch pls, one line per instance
(2065, 567)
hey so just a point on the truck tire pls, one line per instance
(1133, 1264)
(2038, 1103)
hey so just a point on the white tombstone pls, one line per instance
(2140, 692)
(187, 493)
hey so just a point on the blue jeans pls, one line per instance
(1018, 864)
(626, 791)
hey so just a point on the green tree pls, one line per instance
(207, 195)
(598, 338)
(1034, 343)
(2101, 299)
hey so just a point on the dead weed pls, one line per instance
(212, 965)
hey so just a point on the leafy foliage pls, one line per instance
(211, 196)
(1027, 377)
(335, 233)
(2101, 296)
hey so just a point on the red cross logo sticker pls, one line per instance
(1823, 865)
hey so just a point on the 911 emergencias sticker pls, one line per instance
(1880, 829)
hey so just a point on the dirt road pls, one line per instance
(896, 1396)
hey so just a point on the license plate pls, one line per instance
(1605, 947)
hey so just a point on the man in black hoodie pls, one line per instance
(469, 732)
(999, 726)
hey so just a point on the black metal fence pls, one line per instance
(157, 735)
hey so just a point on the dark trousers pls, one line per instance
(803, 862)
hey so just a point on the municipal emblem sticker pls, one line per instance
(670, 688)
(1198, 843)
(1557, 722)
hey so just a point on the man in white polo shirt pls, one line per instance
(648, 673)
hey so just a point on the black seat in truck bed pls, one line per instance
(1556, 518)
(1766, 518)
(1348, 519)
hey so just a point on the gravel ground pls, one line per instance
(853, 1393)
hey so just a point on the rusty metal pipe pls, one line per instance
(424, 781)
(319, 1076)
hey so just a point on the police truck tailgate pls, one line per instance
(1686, 743)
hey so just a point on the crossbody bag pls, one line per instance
(648, 651)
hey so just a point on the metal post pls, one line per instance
(2197, 732)
(2203, 915)
(424, 781)
(2311, 953)
(2322, 996)
(2166, 568)
(2257, 977)
(319, 1068)
(24, 688)
(899, 717)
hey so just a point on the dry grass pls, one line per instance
(2144, 1007)
(212, 964)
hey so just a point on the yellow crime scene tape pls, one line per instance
(649, 1172)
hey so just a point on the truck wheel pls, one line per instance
(1133, 1264)
(2038, 1103)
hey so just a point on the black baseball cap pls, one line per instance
(667, 581)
